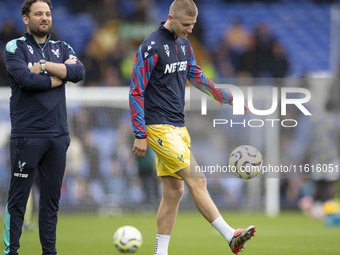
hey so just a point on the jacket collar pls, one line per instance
(167, 32)
(31, 39)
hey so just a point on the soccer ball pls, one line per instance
(245, 162)
(127, 239)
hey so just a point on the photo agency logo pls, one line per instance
(272, 112)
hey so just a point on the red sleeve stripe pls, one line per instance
(135, 122)
(136, 88)
(213, 89)
(197, 72)
(155, 59)
(143, 70)
(138, 98)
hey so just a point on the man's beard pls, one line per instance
(38, 32)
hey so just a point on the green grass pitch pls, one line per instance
(290, 233)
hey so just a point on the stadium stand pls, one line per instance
(304, 31)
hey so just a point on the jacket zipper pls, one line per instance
(42, 48)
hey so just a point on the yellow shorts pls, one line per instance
(172, 147)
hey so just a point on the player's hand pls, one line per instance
(55, 81)
(140, 146)
(246, 109)
(71, 61)
(36, 68)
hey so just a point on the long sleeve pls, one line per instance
(16, 66)
(198, 79)
(141, 73)
(75, 72)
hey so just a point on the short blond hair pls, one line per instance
(183, 7)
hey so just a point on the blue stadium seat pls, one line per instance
(303, 31)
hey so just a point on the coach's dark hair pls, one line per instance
(26, 6)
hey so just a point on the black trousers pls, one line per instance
(47, 155)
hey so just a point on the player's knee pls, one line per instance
(178, 191)
(202, 182)
(175, 193)
(197, 183)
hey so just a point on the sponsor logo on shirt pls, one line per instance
(177, 66)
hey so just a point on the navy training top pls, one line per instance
(36, 109)
(157, 89)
